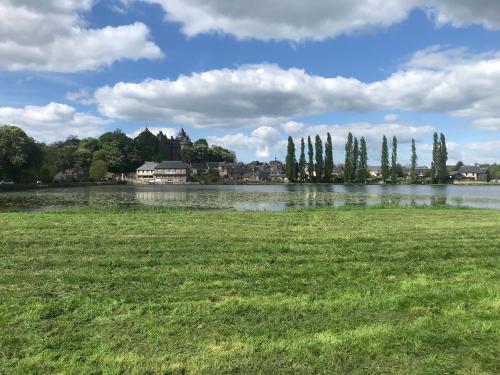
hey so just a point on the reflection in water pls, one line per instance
(251, 197)
(438, 201)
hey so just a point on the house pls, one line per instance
(276, 167)
(422, 172)
(145, 173)
(214, 165)
(163, 173)
(473, 173)
(171, 172)
(68, 176)
(278, 177)
(199, 168)
(232, 171)
(255, 176)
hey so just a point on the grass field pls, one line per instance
(377, 291)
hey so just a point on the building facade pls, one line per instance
(473, 173)
(171, 172)
(166, 172)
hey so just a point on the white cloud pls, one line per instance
(465, 12)
(438, 58)
(292, 127)
(490, 124)
(51, 36)
(299, 20)
(265, 94)
(468, 153)
(267, 140)
(53, 122)
(373, 133)
(247, 96)
(484, 152)
(392, 117)
(83, 96)
(262, 140)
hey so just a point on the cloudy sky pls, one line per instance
(247, 74)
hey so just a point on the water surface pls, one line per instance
(251, 197)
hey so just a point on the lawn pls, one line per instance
(376, 291)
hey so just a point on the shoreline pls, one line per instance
(24, 187)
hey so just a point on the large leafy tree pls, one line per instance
(84, 153)
(64, 154)
(18, 152)
(201, 142)
(384, 169)
(121, 154)
(290, 162)
(328, 158)
(98, 170)
(201, 153)
(147, 145)
(221, 154)
(319, 167)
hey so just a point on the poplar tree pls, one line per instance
(310, 165)
(384, 169)
(320, 165)
(443, 159)
(394, 159)
(363, 161)
(328, 158)
(348, 158)
(290, 163)
(413, 170)
(435, 159)
(355, 160)
(302, 161)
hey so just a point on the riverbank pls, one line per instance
(392, 290)
(21, 187)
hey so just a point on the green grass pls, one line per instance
(376, 291)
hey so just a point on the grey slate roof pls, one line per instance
(199, 166)
(172, 165)
(472, 169)
(149, 166)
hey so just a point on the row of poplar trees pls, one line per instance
(319, 168)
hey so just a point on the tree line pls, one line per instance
(25, 160)
(319, 165)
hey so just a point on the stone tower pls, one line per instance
(184, 139)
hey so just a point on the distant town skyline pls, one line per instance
(247, 75)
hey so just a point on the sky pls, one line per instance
(247, 74)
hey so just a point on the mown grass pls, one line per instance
(395, 290)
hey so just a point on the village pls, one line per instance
(178, 160)
(178, 172)
(182, 172)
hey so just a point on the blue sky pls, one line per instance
(246, 76)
